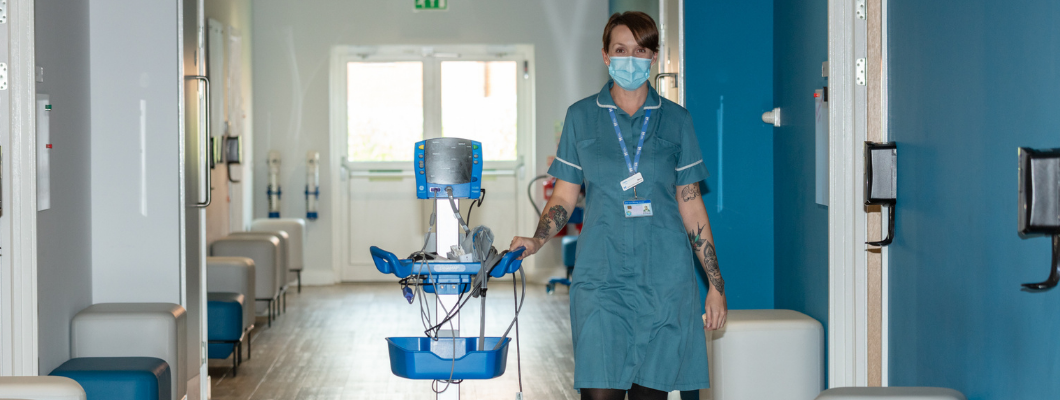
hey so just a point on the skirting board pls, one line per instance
(317, 278)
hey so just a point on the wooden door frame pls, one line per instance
(848, 220)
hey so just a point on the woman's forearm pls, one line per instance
(557, 211)
(552, 220)
(697, 224)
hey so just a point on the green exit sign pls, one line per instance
(431, 4)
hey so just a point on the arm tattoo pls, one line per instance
(710, 263)
(708, 258)
(555, 214)
(690, 192)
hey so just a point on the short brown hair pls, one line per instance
(642, 25)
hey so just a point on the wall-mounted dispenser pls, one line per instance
(881, 182)
(312, 184)
(233, 151)
(1039, 204)
(274, 183)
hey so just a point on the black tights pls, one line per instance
(637, 392)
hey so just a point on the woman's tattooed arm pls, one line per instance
(690, 192)
(705, 250)
(551, 222)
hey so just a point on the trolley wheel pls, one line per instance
(550, 288)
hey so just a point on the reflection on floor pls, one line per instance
(330, 345)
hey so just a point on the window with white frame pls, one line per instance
(398, 95)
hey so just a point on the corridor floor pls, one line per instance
(331, 345)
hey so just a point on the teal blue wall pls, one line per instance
(801, 45)
(970, 82)
(729, 52)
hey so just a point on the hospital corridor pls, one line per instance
(529, 200)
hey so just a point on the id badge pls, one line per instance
(637, 208)
(632, 181)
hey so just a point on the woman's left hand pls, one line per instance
(717, 309)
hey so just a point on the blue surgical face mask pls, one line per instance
(629, 72)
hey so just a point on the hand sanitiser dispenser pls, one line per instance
(454, 269)
(1039, 204)
(274, 192)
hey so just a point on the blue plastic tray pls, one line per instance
(425, 358)
(387, 263)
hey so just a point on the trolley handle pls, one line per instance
(387, 263)
(509, 264)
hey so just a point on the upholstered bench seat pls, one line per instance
(767, 354)
(155, 330)
(40, 388)
(267, 252)
(129, 378)
(296, 235)
(225, 324)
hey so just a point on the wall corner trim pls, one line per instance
(19, 345)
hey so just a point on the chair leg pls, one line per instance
(235, 364)
(270, 313)
(299, 273)
(250, 339)
(285, 302)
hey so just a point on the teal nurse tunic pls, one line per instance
(634, 300)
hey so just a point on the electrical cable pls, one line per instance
(475, 203)
(456, 210)
(518, 351)
(530, 192)
(452, 370)
(522, 299)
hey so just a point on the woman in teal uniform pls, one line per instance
(635, 321)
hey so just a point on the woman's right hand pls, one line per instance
(532, 245)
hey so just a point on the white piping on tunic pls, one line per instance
(687, 166)
(569, 163)
(601, 105)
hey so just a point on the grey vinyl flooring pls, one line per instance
(330, 344)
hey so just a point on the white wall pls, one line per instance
(226, 212)
(292, 41)
(135, 258)
(64, 241)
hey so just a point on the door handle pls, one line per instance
(881, 182)
(661, 75)
(1039, 205)
(204, 137)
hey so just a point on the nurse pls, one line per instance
(635, 321)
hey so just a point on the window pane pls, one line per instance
(385, 113)
(479, 103)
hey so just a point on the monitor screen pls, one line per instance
(448, 161)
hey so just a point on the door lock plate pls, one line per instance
(860, 71)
